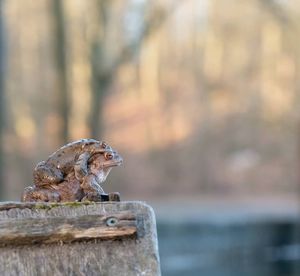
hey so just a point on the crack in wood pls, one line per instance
(66, 229)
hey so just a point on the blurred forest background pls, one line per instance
(199, 97)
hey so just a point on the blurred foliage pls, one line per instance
(200, 97)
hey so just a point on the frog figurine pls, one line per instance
(73, 173)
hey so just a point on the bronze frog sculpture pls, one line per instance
(73, 173)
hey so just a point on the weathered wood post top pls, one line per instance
(78, 238)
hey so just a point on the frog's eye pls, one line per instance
(108, 155)
(103, 145)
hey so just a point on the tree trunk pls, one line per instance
(2, 105)
(60, 58)
(101, 82)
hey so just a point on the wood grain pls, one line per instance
(78, 239)
(61, 229)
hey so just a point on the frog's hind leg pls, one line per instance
(33, 194)
(45, 175)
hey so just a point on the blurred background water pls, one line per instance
(229, 237)
(201, 98)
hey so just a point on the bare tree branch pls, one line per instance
(275, 9)
(152, 23)
(102, 75)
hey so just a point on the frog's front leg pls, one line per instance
(44, 174)
(91, 188)
(81, 166)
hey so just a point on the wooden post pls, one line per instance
(110, 238)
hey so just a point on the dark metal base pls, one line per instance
(110, 197)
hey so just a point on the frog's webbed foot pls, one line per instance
(27, 194)
(45, 175)
(81, 166)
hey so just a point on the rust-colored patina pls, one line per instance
(74, 173)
